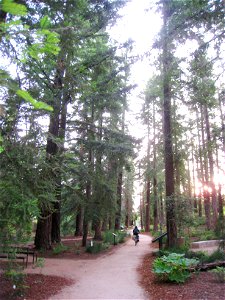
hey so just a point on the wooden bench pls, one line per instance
(19, 252)
(159, 239)
(10, 255)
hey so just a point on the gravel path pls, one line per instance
(111, 276)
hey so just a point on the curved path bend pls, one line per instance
(112, 276)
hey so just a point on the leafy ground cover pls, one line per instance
(202, 285)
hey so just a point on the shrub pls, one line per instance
(200, 255)
(108, 237)
(219, 273)
(60, 248)
(216, 255)
(206, 258)
(97, 247)
(17, 278)
(173, 267)
(121, 235)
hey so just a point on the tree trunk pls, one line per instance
(206, 194)
(85, 232)
(194, 180)
(161, 216)
(222, 117)
(200, 169)
(51, 151)
(167, 130)
(148, 182)
(155, 193)
(79, 222)
(56, 216)
(211, 167)
(97, 229)
(142, 210)
(155, 210)
(119, 201)
(147, 206)
(43, 231)
(56, 130)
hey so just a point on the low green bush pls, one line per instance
(97, 247)
(108, 237)
(216, 255)
(200, 255)
(173, 268)
(121, 235)
(219, 273)
(203, 235)
(206, 258)
(17, 278)
(60, 248)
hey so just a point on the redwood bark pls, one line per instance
(167, 130)
(119, 201)
(79, 222)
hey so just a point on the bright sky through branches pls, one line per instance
(139, 22)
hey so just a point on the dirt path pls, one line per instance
(111, 276)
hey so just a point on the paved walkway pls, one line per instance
(111, 276)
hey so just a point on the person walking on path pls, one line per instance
(136, 234)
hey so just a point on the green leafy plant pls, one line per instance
(219, 273)
(60, 248)
(216, 255)
(17, 278)
(174, 267)
(200, 255)
(39, 263)
(108, 237)
(97, 247)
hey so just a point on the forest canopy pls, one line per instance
(68, 158)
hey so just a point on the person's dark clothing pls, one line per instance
(136, 231)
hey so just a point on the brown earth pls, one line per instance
(39, 286)
(202, 285)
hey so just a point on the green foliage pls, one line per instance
(39, 263)
(36, 104)
(108, 237)
(60, 248)
(220, 227)
(97, 247)
(173, 267)
(206, 258)
(200, 255)
(17, 278)
(219, 273)
(216, 255)
(121, 236)
(13, 8)
(207, 235)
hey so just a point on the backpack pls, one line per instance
(135, 231)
